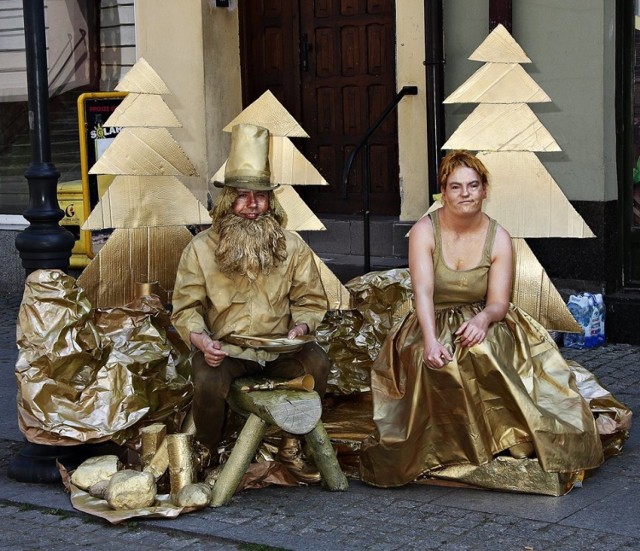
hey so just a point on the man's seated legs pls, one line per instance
(211, 388)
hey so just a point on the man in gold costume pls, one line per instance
(247, 275)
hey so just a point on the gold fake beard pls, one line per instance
(249, 247)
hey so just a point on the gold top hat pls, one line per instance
(248, 162)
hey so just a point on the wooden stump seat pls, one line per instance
(294, 411)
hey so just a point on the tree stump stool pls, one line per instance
(294, 411)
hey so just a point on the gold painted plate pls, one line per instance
(282, 344)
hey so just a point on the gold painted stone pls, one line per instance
(99, 489)
(130, 489)
(194, 495)
(95, 469)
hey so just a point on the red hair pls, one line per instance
(459, 158)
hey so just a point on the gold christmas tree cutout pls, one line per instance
(146, 203)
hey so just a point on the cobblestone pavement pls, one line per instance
(602, 515)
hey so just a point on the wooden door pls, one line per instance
(332, 65)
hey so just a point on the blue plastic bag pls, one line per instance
(589, 311)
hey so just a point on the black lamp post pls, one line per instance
(44, 244)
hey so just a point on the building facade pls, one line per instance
(335, 64)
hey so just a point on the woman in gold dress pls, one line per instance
(467, 375)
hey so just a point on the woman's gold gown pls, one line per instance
(513, 387)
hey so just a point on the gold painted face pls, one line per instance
(464, 192)
(250, 204)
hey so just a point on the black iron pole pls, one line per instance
(44, 244)
(434, 66)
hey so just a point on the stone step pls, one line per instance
(344, 235)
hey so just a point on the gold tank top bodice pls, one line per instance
(460, 286)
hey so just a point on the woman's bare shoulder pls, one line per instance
(424, 226)
(502, 241)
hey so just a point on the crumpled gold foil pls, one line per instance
(352, 338)
(508, 474)
(87, 376)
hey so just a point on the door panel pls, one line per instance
(332, 65)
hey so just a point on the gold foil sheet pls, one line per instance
(137, 201)
(132, 256)
(145, 110)
(163, 508)
(353, 338)
(143, 79)
(519, 186)
(85, 375)
(499, 47)
(499, 83)
(144, 152)
(502, 127)
(269, 113)
(508, 474)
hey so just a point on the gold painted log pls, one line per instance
(294, 411)
(325, 459)
(239, 460)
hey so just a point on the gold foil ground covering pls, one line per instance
(163, 508)
(353, 338)
(86, 375)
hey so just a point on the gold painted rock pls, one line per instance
(130, 489)
(194, 495)
(95, 469)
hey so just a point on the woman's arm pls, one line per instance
(421, 246)
(474, 331)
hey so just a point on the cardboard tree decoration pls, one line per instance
(150, 233)
(523, 196)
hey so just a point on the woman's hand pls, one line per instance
(473, 331)
(436, 355)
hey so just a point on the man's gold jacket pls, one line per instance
(206, 300)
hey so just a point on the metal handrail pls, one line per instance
(364, 143)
